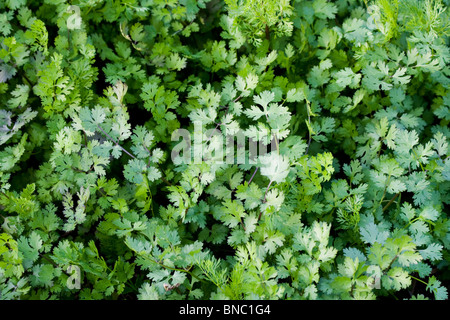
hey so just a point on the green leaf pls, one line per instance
(275, 167)
(29, 248)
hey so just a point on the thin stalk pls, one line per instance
(85, 138)
(417, 279)
(165, 181)
(276, 143)
(417, 158)
(242, 224)
(176, 269)
(89, 10)
(117, 144)
(213, 132)
(267, 189)
(410, 222)
(78, 170)
(391, 201)
(309, 131)
(132, 156)
(265, 195)
(253, 175)
(384, 194)
(27, 80)
(392, 262)
(267, 32)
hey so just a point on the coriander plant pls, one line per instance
(237, 149)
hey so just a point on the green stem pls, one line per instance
(309, 131)
(117, 143)
(417, 279)
(417, 159)
(392, 262)
(28, 80)
(175, 269)
(410, 222)
(78, 170)
(384, 194)
(128, 153)
(265, 194)
(89, 10)
(391, 201)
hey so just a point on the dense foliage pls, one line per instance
(351, 200)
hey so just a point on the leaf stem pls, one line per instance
(417, 158)
(267, 32)
(264, 201)
(391, 201)
(5, 194)
(176, 269)
(410, 222)
(384, 194)
(392, 262)
(117, 143)
(253, 175)
(417, 279)
(267, 189)
(309, 131)
(132, 156)
(26, 78)
(89, 10)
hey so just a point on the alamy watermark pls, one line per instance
(74, 20)
(74, 281)
(374, 282)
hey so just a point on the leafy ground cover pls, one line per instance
(126, 161)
